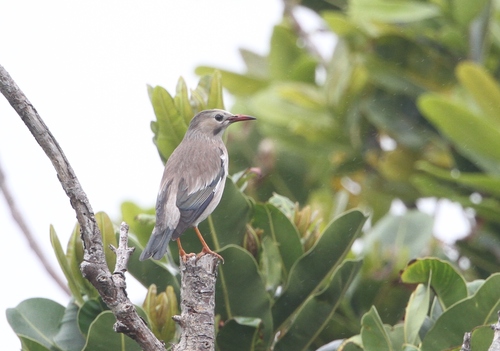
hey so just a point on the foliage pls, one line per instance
(438, 312)
(406, 107)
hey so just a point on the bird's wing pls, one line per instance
(193, 202)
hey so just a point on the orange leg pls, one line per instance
(205, 249)
(182, 253)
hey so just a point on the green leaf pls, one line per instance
(182, 101)
(315, 313)
(481, 338)
(410, 233)
(108, 238)
(236, 84)
(170, 126)
(483, 88)
(477, 181)
(215, 97)
(150, 271)
(69, 337)
(31, 345)
(286, 59)
(271, 265)
(309, 272)
(391, 11)
(65, 266)
(470, 133)
(102, 337)
(373, 332)
(240, 290)
(479, 309)
(74, 255)
(240, 333)
(282, 232)
(416, 312)
(37, 319)
(446, 282)
(465, 11)
(88, 313)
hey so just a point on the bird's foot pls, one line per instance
(183, 255)
(205, 251)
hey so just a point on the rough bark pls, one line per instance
(495, 345)
(111, 287)
(198, 278)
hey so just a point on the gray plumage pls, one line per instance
(193, 180)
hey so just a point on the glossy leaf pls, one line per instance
(478, 181)
(169, 127)
(309, 272)
(69, 337)
(470, 133)
(150, 271)
(65, 266)
(416, 312)
(391, 11)
(89, 312)
(74, 254)
(476, 310)
(242, 334)
(315, 313)
(271, 265)
(235, 83)
(483, 88)
(481, 338)
(215, 96)
(37, 319)
(240, 290)
(285, 56)
(102, 337)
(446, 282)
(182, 101)
(31, 345)
(373, 332)
(410, 232)
(108, 238)
(283, 233)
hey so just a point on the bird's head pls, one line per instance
(213, 123)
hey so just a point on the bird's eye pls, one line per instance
(219, 117)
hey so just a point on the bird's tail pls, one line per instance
(157, 245)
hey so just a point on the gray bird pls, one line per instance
(192, 183)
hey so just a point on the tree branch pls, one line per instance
(94, 266)
(21, 223)
(198, 278)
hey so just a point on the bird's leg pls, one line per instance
(205, 249)
(182, 254)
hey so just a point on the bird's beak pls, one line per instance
(238, 118)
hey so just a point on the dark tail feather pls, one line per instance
(157, 245)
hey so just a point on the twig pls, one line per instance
(198, 278)
(466, 342)
(495, 345)
(19, 219)
(94, 266)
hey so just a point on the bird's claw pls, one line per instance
(205, 251)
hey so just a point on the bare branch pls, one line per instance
(19, 219)
(198, 278)
(94, 266)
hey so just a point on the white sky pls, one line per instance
(85, 66)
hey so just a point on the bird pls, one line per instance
(193, 182)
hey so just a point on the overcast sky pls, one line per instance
(85, 66)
